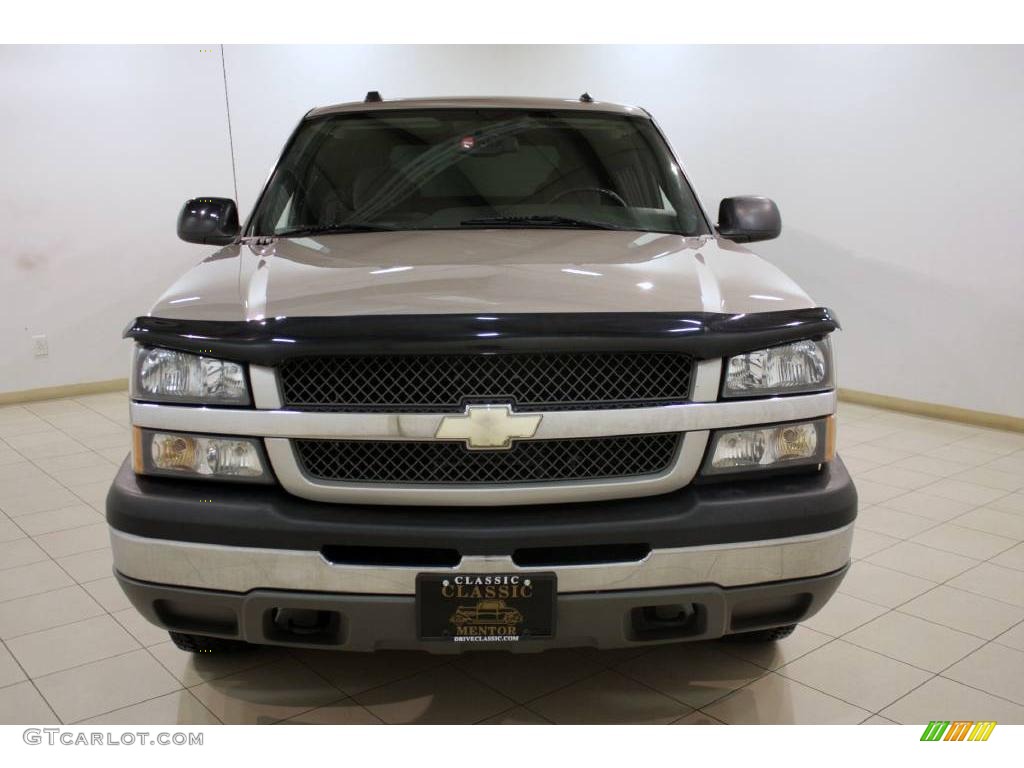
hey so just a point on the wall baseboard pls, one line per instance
(65, 390)
(934, 410)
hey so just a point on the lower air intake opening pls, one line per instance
(408, 557)
(596, 554)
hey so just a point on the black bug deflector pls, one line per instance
(704, 335)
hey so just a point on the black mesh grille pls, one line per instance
(533, 461)
(445, 383)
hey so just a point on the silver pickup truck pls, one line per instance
(480, 372)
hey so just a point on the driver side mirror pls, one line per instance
(208, 221)
(748, 218)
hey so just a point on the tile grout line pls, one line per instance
(591, 676)
(934, 586)
(67, 573)
(32, 538)
(87, 449)
(940, 624)
(890, 609)
(513, 709)
(81, 585)
(799, 656)
(184, 686)
(525, 704)
(293, 655)
(102, 519)
(814, 687)
(981, 690)
(938, 675)
(454, 666)
(106, 612)
(896, 610)
(65, 623)
(29, 679)
(146, 701)
(91, 661)
(143, 701)
(343, 700)
(1006, 631)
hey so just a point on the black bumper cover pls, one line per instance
(266, 516)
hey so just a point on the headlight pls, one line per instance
(803, 366)
(168, 375)
(773, 447)
(181, 454)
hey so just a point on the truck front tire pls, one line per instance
(204, 644)
(766, 635)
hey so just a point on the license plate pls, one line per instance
(486, 607)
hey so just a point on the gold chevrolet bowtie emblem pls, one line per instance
(488, 426)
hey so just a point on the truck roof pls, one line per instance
(477, 102)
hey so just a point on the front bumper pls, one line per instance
(267, 517)
(223, 559)
(246, 569)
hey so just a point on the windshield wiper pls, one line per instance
(333, 229)
(537, 221)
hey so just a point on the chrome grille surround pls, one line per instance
(280, 427)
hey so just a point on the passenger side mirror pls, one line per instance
(748, 218)
(208, 221)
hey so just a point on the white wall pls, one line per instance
(99, 147)
(899, 174)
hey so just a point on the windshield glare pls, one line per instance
(472, 168)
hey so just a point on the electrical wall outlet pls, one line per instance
(40, 347)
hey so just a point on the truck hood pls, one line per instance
(479, 271)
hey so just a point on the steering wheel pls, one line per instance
(601, 190)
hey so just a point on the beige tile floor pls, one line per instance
(929, 623)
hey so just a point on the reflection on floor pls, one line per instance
(927, 624)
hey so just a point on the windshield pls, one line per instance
(476, 168)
